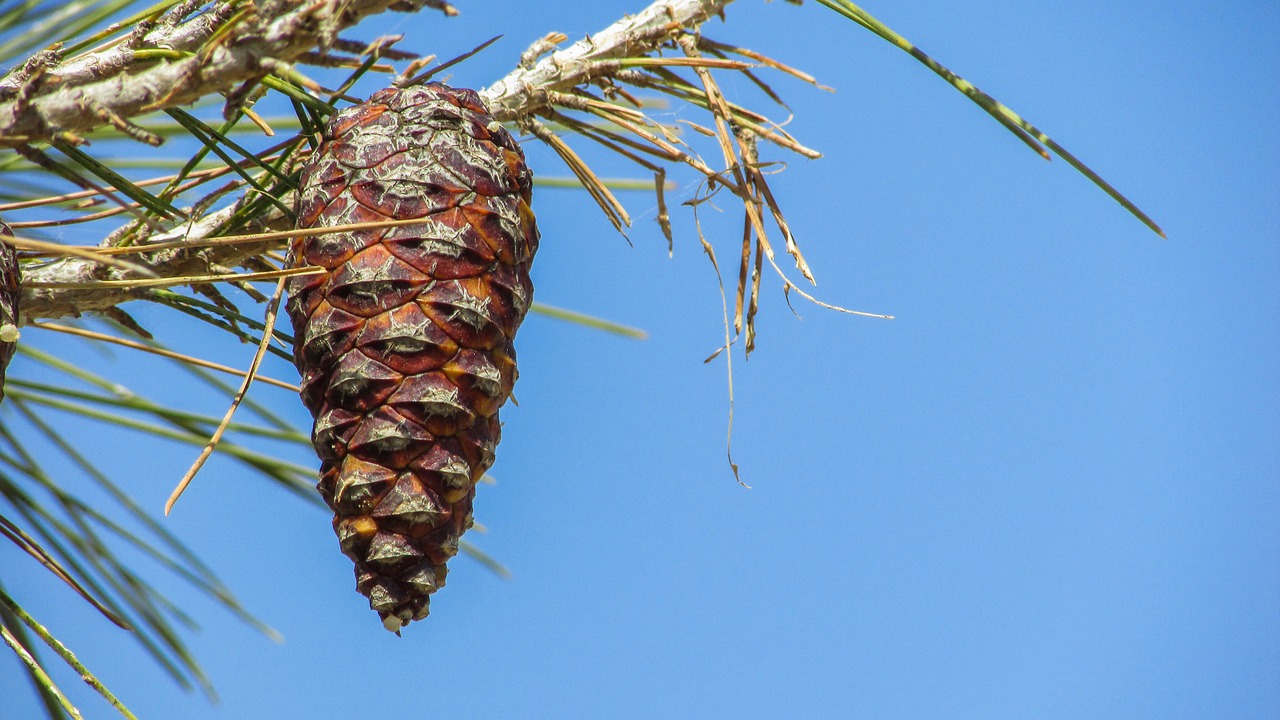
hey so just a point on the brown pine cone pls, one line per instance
(404, 344)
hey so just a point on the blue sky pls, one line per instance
(1047, 489)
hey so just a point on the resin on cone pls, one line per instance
(405, 341)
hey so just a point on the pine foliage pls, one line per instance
(236, 94)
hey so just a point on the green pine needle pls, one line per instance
(590, 321)
(1028, 133)
(67, 656)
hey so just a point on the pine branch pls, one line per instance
(516, 97)
(50, 291)
(524, 90)
(183, 50)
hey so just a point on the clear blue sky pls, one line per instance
(1048, 489)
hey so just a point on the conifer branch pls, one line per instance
(178, 62)
(526, 91)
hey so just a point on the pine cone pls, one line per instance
(405, 343)
(10, 286)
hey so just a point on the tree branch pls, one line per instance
(39, 301)
(524, 90)
(517, 96)
(174, 64)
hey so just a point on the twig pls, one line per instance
(210, 53)
(523, 90)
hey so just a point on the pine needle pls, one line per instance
(67, 656)
(32, 548)
(586, 320)
(613, 210)
(269, 322)
(50, 248)
(1025, 131)
(38, 672)
(724, 307)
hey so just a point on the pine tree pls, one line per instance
(223, 212)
